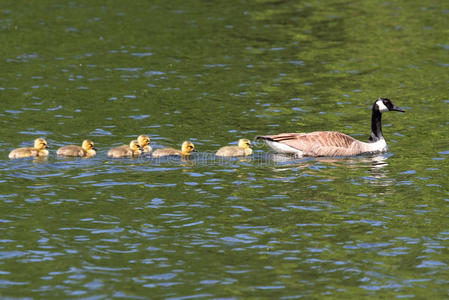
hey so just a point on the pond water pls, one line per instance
(266, 226)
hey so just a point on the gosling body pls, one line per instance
(242, 149)
(144, 143)
(39, 149)
(186, 148)
(131, 150)
(86, 149)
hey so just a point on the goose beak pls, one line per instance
(397, 108)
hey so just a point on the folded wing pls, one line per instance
(319, 143)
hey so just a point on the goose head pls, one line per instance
(40, 144)
(143, 140)
(244, 143)
(383, 105)
(135, 146)
(88, 145)
(187, 147)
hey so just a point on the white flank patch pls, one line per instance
(381, 106)
(283, 148)
(379, 146)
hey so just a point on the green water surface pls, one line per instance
(213, 72)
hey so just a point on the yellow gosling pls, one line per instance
(131, 150)
(144, 142)
(39, 149)
(87, 149)
(243, 149)
(186, 148)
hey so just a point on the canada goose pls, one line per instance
(87, 149)
(144, 142)
(331, 143)
(39, 149)
(131, 150)
(186, 148)
(243, 149)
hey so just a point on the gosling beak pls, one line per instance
(93, 148)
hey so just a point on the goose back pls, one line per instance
(320, 143)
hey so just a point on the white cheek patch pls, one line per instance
(381, 106)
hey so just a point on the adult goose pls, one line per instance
(332, 143)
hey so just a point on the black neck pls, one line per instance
(376, 126)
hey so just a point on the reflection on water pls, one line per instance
(264, 226)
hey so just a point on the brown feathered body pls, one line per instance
(333, 143)
(322, 143)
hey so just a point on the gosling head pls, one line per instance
(143, 140)
(187, 147)
(244, 143)
(88, 145)
(40, 144)
(383, 105)
(135, 146)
